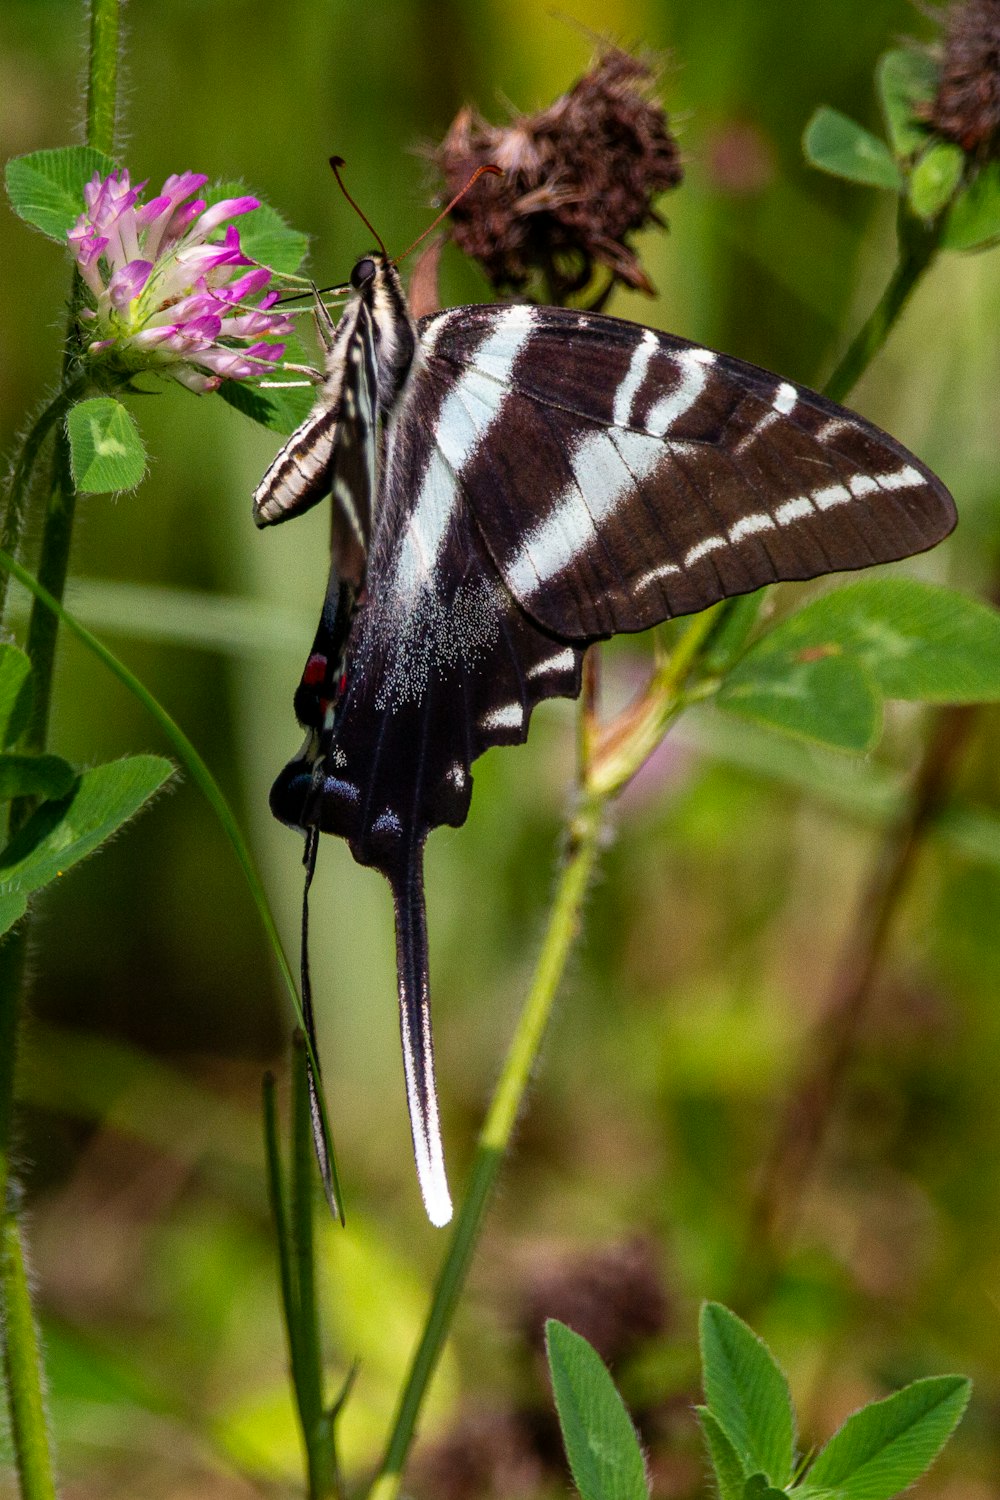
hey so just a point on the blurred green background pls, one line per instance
(724, 900)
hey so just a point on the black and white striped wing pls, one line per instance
(622, 476)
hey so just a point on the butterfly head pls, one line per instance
(376, 283)
(365, 270)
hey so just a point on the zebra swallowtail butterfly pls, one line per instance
(509, 484)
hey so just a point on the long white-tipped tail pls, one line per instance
(416, 1037)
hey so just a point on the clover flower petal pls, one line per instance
(128, 282)
(167, 293)
(228, 208)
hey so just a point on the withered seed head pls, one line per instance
(579, 178)
(966, 108)
(613, 1295)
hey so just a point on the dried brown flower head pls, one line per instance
(578, 179)
(613, 1295)
(966, 108)
(485, 1454)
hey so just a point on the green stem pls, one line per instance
(43, 625)
(22, 1370)
(279, 1217)
(296, 1264)
(618, 753)
(21, 476)
(13, 952)
(316, 1425)
(57, 528)
(917, 251)
(494, 1139)
(102, 88)
(22, 1357)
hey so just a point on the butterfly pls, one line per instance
(509, 484)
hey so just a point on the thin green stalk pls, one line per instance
(917, 251)
(296, 1265)
(22, 1356)
(60, 510)
(617, 753)
(22, 1370)
(279, 1216)
(495, 1136)
(316, 1425)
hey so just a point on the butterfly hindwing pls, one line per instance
(432, 678)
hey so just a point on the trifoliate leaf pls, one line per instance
(46, 188)
(839, 145)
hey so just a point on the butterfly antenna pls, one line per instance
(336, 163)
(314, 291)
(415, 1032)
(479, 172)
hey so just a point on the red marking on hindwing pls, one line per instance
(315, 670)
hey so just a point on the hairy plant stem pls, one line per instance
(53, 565)
(21, 1348)
(22, 1371)
(102, 86)
(13, 958)
(19, 486)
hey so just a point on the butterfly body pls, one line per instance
(510, 484)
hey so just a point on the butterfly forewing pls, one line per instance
(622, 476)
